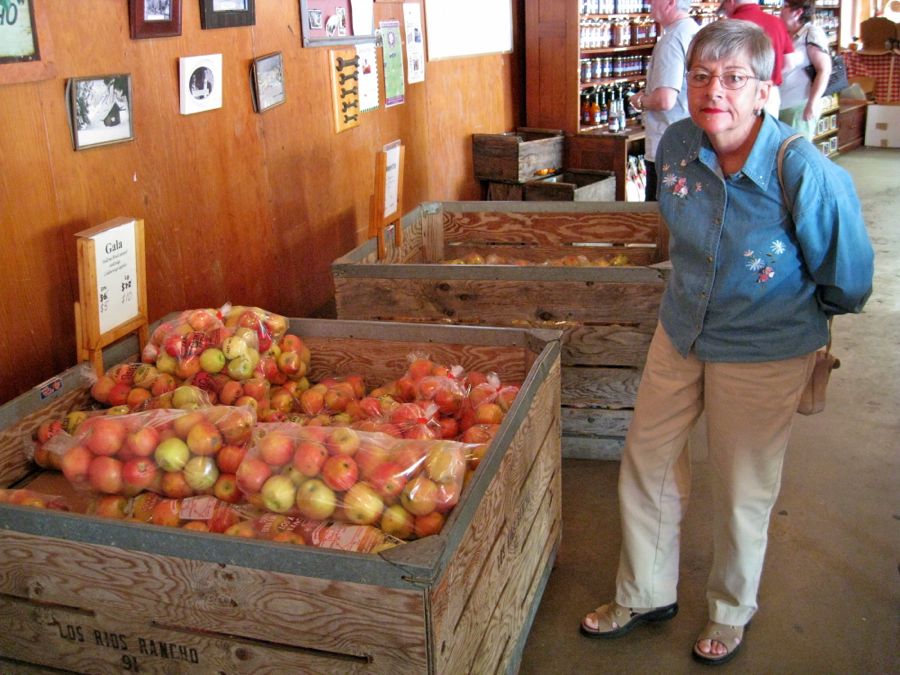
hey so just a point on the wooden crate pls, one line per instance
(92, 595)
(517, 156)
(573, 185)
(608, 314)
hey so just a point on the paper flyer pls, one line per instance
(362, 16)
(368, 77)
(391, 177)
(392, 56)
(415, 43)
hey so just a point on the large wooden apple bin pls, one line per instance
(92, 595)
(607, 314)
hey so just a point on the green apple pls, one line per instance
(201, 472)
(172, 454)
(240, 368)
(234, 347)
(212, 360)
(279, 493)
(316, 500)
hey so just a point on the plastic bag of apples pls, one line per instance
(176, 453)
(405, 487)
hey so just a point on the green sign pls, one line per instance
(18, 40)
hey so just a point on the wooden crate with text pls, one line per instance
(91, 595)
(607, 313)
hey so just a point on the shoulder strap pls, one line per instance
(780, 166)
(783, 149)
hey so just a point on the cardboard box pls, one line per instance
(607, 314)
(883, 126)
(90, 595)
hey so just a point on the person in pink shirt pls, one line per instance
(749, 10)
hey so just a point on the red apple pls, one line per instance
(276, 449)
(167, 512)
(226, 488)
(342, 441)
(174, 485)
(340, 472)
(430, 523)
(251, 475)
(143, 442)
(309, 458)
(101, 388)
(204, 439)
(139, 474)
(388, 480)
(105, 435)
(230, 457)
(110, 506)
(105, 475)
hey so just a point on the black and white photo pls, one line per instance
(100, 110)
(267, 75)
(201, 83)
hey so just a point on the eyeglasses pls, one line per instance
(729, 80)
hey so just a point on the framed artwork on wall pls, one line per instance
(227, 13)
(154, 18)
(200, 80)
(25, 45)
(99, 110)
(336, 22)
(267, 81)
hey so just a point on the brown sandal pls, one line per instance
(618, 620)
(730, 637)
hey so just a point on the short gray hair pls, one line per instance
(683, 5)
(727, 37)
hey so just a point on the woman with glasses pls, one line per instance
(800, 95)
(755, 276)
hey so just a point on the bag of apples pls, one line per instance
(176, 453)
(406, 487)
(38, 500)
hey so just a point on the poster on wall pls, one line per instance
(368, 77)
(392, 57)
(415, 42)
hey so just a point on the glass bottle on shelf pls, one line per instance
(595, 109)
(604, 109)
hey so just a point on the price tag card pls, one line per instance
(391, 178)
(115, 252)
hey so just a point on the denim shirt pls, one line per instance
(751, 281)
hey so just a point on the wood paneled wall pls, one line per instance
(237, 206)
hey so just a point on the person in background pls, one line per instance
(749, 10)
(752, 286)
(664, 100)
(801, 96)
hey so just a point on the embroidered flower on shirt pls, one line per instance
(669, 179)
(665, 167)
(763, 266)
(698, 187)
(755, 264)
(778, 247)
(765, 275)
(683, 162)
(681, 188)
(748, 253)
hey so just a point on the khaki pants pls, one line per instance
(749, 409)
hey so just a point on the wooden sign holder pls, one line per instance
(90, 341)
(377, 220)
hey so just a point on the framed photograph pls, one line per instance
(200, 79)
(267, 79)
(227, 13)
(26, 52)
(99, 110)
(154, 18)
(315, 19)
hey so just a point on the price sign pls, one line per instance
(113, 299)
(387, 203)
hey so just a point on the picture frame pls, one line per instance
(267, 81)
(227, 13)
(26, 48)
(200, 83)
(100, 110)
(332, 23)
(154, 18)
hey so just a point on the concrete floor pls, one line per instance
(830, 593)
